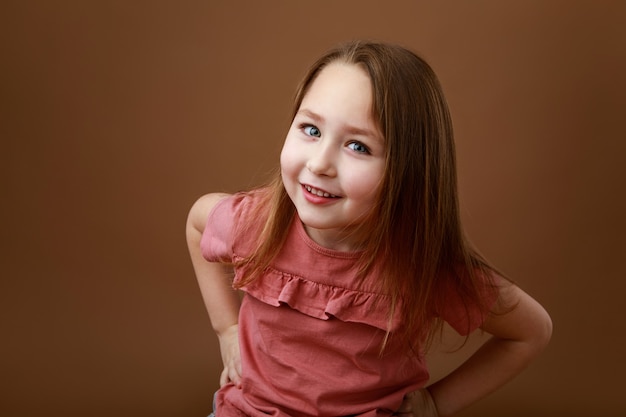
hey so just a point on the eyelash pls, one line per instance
(304, 127)
(365, 148)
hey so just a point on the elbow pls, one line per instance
(537, 332)
(535, 324)
(542, 333)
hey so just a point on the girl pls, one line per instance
(354, 256)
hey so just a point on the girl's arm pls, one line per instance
(518, 335)
(215, 279)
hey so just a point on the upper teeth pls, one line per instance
(318, 192)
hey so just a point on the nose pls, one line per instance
(322, 160)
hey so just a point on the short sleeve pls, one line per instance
(218, 236)
(462, 315)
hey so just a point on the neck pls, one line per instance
(342, 240)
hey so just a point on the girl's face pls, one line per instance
(333, 158)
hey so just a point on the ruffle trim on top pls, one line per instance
(322, 301)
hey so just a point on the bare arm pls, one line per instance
(518, 336)
(215, 279)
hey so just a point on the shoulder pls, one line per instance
(202, 208)
(227, 213)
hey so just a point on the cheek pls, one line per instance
(284, 159)
(364, 184)
(288, 159)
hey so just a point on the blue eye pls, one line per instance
(358, 147)
(312, 131)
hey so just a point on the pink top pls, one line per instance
(310, 336)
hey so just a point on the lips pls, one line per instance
(318, 192)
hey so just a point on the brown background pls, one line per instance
(117, 115)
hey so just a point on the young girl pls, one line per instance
(354, 256)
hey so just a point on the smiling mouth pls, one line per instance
(319, 193)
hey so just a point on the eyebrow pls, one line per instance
(350, 129)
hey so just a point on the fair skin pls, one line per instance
(331, 164)
(517, 336)
(333, 158)
(215, 280)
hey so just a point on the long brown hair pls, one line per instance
(414, 232)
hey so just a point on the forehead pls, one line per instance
(341, 90)
(341, 74)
